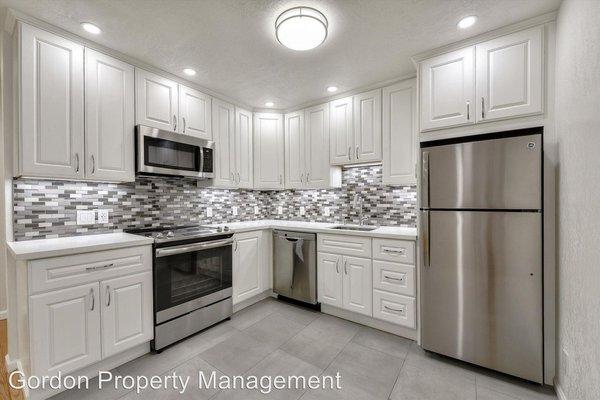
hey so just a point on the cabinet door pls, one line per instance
(223, 134)
(510, 75)
(319, 172)
(195, 113)
(294, 150)
(127, 312)
(156, 101)
(399, 134)
(268, 151)
(447, 94)
(341, 131)
(358, 285)
(246, 275)
(367, 126)
(65, 330)
(243, 148)
(109, 118)
(51, 117)
(329, 271)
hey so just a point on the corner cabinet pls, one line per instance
(497, 79)
(268, 151)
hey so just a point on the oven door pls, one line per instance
(191, 276)
(169, 153)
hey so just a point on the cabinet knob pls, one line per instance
(174, 122)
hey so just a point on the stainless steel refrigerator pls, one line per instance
(481, 230)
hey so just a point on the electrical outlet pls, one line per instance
(280, 210)
(102, 216)
(209, 212)
(234, 210)
(326, 211)
(86, 217)
(256, 210)
(302, 210)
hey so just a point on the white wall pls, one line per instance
(578, 130)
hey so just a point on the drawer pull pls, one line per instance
(92, 299)
(393, 279)
(90, 269)
(108, 296)
(390, 250)
(392, 309)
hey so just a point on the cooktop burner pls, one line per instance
(163, 234)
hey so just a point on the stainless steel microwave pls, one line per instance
(161, 152)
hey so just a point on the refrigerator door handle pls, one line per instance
(426, 239)
(425, 179)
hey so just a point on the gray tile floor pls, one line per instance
(275, 338)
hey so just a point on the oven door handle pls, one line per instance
(188, 248)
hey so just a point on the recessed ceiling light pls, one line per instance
(91, 28)
(301, 28)
(332, 89)
(467, 22)
(269, 104)
(189, 71)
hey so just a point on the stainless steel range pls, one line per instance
(192, 280)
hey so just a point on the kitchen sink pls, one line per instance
(363, 228)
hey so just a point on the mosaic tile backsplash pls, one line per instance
(46, 209)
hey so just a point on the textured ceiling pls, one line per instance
(232, 45)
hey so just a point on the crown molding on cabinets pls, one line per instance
(13, 15)
(505, 30)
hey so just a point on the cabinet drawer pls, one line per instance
(58, 272)
(394, 308)
(402, 251)
(344, 244)
(393, 277)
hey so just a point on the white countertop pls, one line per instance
(43, 248)
(387, 232)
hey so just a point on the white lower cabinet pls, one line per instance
(329, 281)
(250, 266)
(395, 308)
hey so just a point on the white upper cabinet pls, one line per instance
(109, 118)
(157, 101)
(295, 173)
(341, 131)
(510, 75)
(367, 126)
(400, 134)
(319, 172)
(268, 151)
(223, 132)
(51, 117)
(244, 163)
(448, 89)
(195, 113)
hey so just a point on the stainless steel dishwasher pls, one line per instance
(295, 265)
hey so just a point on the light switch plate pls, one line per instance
(102, 216)
(234, 210)
(209, 212)
(302, 210)
(86, 217)
(280, 210)
(256, 210)
(326, 211)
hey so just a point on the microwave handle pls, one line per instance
(192, 247)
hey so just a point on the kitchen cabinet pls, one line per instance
(294, 150)
(509, 73)
(268, 151)
(341, 131)
(244, 161)
(109, 118)
(329, 281)
(248, 266)
(400, 134)
(367, 126)
(127, 313)
(51, 102)
(223, 120)
(195, 113)
(65, 330)
(157, 101)
(447, 89)
(395, 308)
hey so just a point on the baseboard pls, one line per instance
(254, 299)
(559, 392)
(3, 314)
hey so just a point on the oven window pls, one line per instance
(167, 154)
(180, 278)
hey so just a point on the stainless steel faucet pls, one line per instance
(359, 202)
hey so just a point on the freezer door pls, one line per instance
(498, 174)
(481, 289)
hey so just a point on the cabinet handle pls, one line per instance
(468, 110)
(482, 108)
(236, 246)
(346, 267)
(302, 178)
(280, 179)
(392, 279)
(238, 177)
(183, 124)
(349, 151)
(93, 164)
(393, 251)
(174, 122)
(392, 309)
(76, 162)
(357, 153)
(89, 269)
(93, 299)
(337, 265)
(108, 296)
(307, 177)
(232, 176)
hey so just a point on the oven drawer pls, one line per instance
(393, 277)
(59, 272)
(394, 308)
(402, 251)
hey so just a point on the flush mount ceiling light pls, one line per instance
(301, 28)
(189, 71)
(269, 104)
(467, 22)
(91, 28)
(332, 89)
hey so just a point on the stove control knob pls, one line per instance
(226, 228)
(170, 234)
(219, 229)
